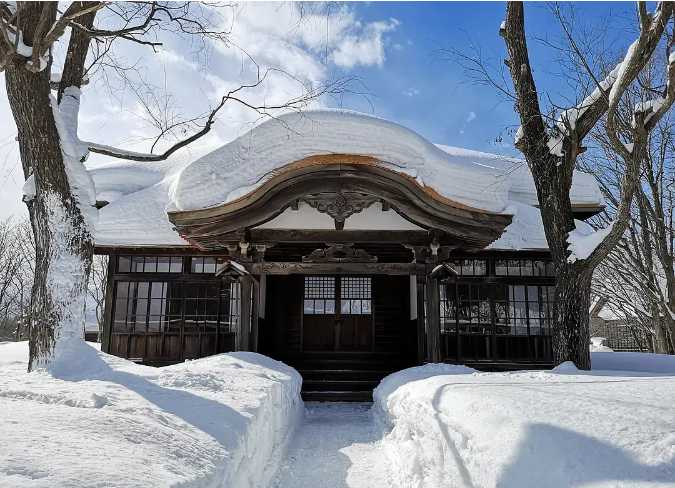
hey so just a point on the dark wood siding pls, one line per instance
(282, 330)
(391, 304)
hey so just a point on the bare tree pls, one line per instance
(16, 265)
(98, 285)
(61, 203)
(551, 150)
(637, 278)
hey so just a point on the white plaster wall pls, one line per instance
(372, 218)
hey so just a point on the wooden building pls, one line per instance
(344, 245)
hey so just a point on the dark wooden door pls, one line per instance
(337, 314)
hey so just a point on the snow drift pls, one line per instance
(103, 421)
(452, 426)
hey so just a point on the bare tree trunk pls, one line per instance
(571, 334)
(64, 246)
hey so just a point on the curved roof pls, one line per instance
(479, 180)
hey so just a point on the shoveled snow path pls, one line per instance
(337, 446)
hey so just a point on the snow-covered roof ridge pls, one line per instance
(480, 180)
(140, 193)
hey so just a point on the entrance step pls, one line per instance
(344, 374)
(337, 396)
(335, 376)
(344, 385)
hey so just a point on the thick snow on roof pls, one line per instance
(141, 193)
(480, 180)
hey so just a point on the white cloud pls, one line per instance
(411, 92)
(300, 41)
(471, 117)
(364, 49)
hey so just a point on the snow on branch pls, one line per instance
(47, 32)
(583, 240)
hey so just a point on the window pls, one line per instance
(319, 296)
(200, 309)
(470, 267)
(473, 309)
(202, 265)
(518, 309)
(168, 306)
(519, 306)
(448, 308)
(149, 264)
(355, 296)
(524, 267)
(141, 306)
(235, 305)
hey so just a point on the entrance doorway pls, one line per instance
(337, 313)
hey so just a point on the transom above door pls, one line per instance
(337, 313)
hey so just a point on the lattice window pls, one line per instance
(516, 306)
(473, 309)
(524, 267)
(448, 308)
(355, 295)
(158, 306)
(149, 264)
(235, 305)
(202, 265)
(319, 298)
(470, 267)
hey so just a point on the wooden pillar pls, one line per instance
(244, 331)
(421, 327)
(255, 313)
(433, 321)
(108, 305)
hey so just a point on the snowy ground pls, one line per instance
(104, 421)
(337, 446)
(228, 421)
(452, 426)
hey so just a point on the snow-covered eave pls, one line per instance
(337, 173)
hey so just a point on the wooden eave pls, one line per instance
(208, 228)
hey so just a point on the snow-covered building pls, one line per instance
(341, 243)
(621, 332)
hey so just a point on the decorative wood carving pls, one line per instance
(469, 227)
(339, 253)
(425, 254)
(340, 205)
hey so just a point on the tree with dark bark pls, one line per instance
(551, 150)
(59, 192)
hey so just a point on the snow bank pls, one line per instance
(104, 421)
(633, 361)
(461, 428)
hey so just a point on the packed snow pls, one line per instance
(337, 446)
(104, 421)
(610, 427)
(140, 193)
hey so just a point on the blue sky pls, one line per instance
(419, 87)
(394, 49)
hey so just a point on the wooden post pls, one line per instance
(108, 305)
(433, 321)
(246, 284)
(255, 301)
(421, 332)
